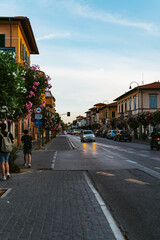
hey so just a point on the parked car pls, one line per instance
(75, 132)
(98, 133)
(87, 136)
(104, 133)
(123, 135)
(111, 134)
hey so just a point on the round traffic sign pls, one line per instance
(38, 110)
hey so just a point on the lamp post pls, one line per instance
(130, 87)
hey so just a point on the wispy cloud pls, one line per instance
(87, 12)
(53, 35)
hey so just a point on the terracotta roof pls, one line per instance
(150, 86)
(112, 104)
(27, 30)
(93, 108)
(80, 117)
(100, 104)
(154, 85)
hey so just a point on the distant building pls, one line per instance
(81, 121)
(50, 100)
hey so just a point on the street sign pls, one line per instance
(38, 110)
(38, 116)
(38, 122)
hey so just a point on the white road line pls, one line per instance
(117, 233)
(5, 194)
(72, 146)
(131, 161)
(157, 167)
(53, 160)
(110, 156)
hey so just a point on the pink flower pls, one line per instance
(36, 83)
(32, 93)
(34, 88)
(23, 79)
(34, 76)
(29, 105)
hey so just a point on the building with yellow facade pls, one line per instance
(16, 35)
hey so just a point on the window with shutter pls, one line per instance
(153, 101)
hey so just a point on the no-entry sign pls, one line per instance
(38, 110)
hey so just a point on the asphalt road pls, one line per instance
(127, 175)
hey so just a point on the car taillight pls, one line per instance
(130, 135)
(158, 139)
(120, 134)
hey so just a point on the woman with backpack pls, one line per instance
(27, 147)
(6, 141)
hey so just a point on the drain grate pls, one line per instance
(4, 192)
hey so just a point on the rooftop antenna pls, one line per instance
(142, 78)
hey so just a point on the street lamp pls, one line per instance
(106, 101)
(131, 84)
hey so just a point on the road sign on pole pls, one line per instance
(38, 116)
(38, 122)
(38, 110)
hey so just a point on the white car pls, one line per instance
(87, 136)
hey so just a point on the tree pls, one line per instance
(12, 89)
(133, 124)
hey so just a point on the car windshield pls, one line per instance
(87, 132)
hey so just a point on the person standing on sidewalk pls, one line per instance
(4, 156)
(27, 147)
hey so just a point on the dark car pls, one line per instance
(123, 135)
(98, 133)
(104, 133)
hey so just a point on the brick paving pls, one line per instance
(50, 204)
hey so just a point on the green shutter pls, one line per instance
(2, 40)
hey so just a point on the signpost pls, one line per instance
(38, 122)
(38, 116)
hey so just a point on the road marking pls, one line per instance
(136, 181)
(117, 233)
(106, 174)
(141, 155)
(110, 156)
(6, 192)
(157, 167)
(131, 161)
(53, 160)
(72, 146)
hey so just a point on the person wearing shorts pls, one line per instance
(4, 156)
(27, 147)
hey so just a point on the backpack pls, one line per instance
(27, 141)
(6, 143)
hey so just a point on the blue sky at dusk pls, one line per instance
(92, 49)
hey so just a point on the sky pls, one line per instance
(93, 50)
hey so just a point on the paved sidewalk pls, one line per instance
(47, 204)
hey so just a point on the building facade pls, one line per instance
(140, 99)
(16, 35)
